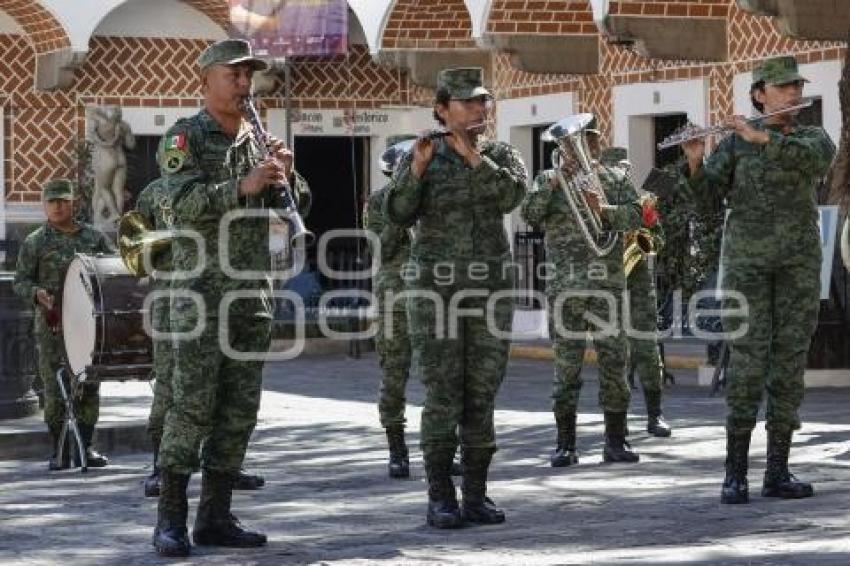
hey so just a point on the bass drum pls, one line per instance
(102, 320)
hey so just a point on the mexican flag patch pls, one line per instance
(177, 141)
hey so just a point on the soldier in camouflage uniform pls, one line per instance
(393, 348)
(43, 260)
(212, 167)
(577, 272)
(642, 302)
(457, 190)
(768, 173)
(154, 204)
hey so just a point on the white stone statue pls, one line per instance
(109, 136)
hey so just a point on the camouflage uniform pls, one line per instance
(460, 213)
(154, 204)
(215, 397)
(43, 260)
(771, 197)
(577, 268)
(393, 352)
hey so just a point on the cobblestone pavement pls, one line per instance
(328, 500)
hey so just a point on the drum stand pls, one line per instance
(70, 423)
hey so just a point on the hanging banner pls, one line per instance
(292, 28)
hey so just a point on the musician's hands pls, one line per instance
(694, 151)
(423, 151)
(270, 171)
(464, 147)
(740, 126)
(44, 299)
(279, 151)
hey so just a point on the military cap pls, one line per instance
(230, 52)
(777, 71)
(613, 155)
(58, 189)
(393, 153)
(463, 83)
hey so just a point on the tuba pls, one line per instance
(137, 239)
(569, 136)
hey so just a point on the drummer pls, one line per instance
(44, 257)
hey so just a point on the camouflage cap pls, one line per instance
(613, 155)
(463, 83)
(230, 52)
(58, 189)
(777, 71)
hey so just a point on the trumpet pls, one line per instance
(691, 132)
(290, 210)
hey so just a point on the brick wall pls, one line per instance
(428, 24)
(43, 30)
(541, 16)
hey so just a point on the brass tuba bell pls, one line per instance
(638, 245)
(137, 239)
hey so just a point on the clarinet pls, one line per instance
(290, 210)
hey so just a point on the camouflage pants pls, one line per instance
(394, 358)
(569, 352)
(163, 367)
(87, 405)
(461, 374)
(215, 397)
(783, 310)
(643, 317)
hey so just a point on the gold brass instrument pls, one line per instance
(137, 238)
(692, 132)
(569, 136)
(290, 209)
(638, 245)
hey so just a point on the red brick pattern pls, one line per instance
(45, 31)
(541, 16)
(596, 97)
(427, 24)
(672, 8)
(216, 10)
(510, 82)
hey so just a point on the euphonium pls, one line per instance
(136, 239)
(568, 134)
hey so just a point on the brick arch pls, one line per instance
(42, 28)
(216, 10)
(540, 16)
(428, 24)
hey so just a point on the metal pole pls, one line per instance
(287, 86)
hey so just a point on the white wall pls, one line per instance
(145, 121)
(9, 25)
(823, 77)
(376, 124)
(634, 106)
(158, 18)
(372, 15)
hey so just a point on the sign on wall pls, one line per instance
(291, 28)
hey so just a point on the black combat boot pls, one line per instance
(477, 507)
(171, 537)
(616, 447)
(248, 482)
(399, 464)
(778, 481)
(152, 482)
(655, 423)
(53, 463)
(443, 510)
(94, 459)
(735, 487)
(565, 453)
(215, 525)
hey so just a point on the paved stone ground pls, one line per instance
(328, 500)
